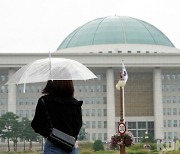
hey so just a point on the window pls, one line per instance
(20, 89)
(93, 113)
(174, 111)
(92, 88)
(20, 101)
(80, 89)
(33, 101)
(164, 135)
(88, 136)
(167, 76)
(164, 122)
(168, 99)
(99, 124)
(175, 135)
(27, 113)
(92, 100)
(175, 123)
(105, 100)
(93, 124)
(20, 113)
(162, 77)
(105, 112)
(142, 125)
(87, 113)
(98, 100)
(105, 124)
(93, 136)
(141, 133)
(39, 89)
(86, 88)
(164, 111)
(86, 100)
(105, 136)
(169, 123)
(2, 78)
(104, 88)
(131, 125)
(27, 101)
(173, 76)
(173, 88)
(169, 111)
(27, 89)
(169, 135)
(33, 89)
(174, 99)
(98, 88)
(179, 99)
(2, 89)
(32, 113)
(87, 124)
(99, 112)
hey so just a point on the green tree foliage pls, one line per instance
(98, 145)
(11, 128)
(82, 133)
(27, 133)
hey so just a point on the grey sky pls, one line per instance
(41, 25)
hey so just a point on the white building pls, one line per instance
(152, 92)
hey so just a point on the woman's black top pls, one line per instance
(65, 115)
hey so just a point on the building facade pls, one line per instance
(152, 92)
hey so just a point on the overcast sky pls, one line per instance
(41, 25)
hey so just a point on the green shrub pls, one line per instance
(98, 145)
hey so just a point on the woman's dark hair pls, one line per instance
(61, 88)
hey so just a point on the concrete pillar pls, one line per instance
(11, 93)
(158, 106)
(110, 103)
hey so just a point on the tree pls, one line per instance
(9, 128)
(98, 145)
(82, 133)
(27, 133)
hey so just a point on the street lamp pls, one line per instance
(146, 138)
(122, 127)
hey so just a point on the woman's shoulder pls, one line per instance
(78, 102)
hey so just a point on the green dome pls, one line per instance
(115, 30)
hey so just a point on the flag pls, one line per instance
(125, 74)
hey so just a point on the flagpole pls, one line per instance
(123, 104)
(120, 86)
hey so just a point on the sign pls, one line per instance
(121, 128)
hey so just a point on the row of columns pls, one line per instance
(157, 99)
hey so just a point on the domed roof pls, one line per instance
(115, 30)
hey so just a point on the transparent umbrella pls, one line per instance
(51, 69)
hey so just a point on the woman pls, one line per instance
(64, 111)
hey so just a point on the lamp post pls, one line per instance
(122, 127)
(146, 138)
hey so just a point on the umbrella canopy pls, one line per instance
(51, 69)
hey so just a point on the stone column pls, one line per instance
(158, 106)
(110, 103)
(11, 93)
